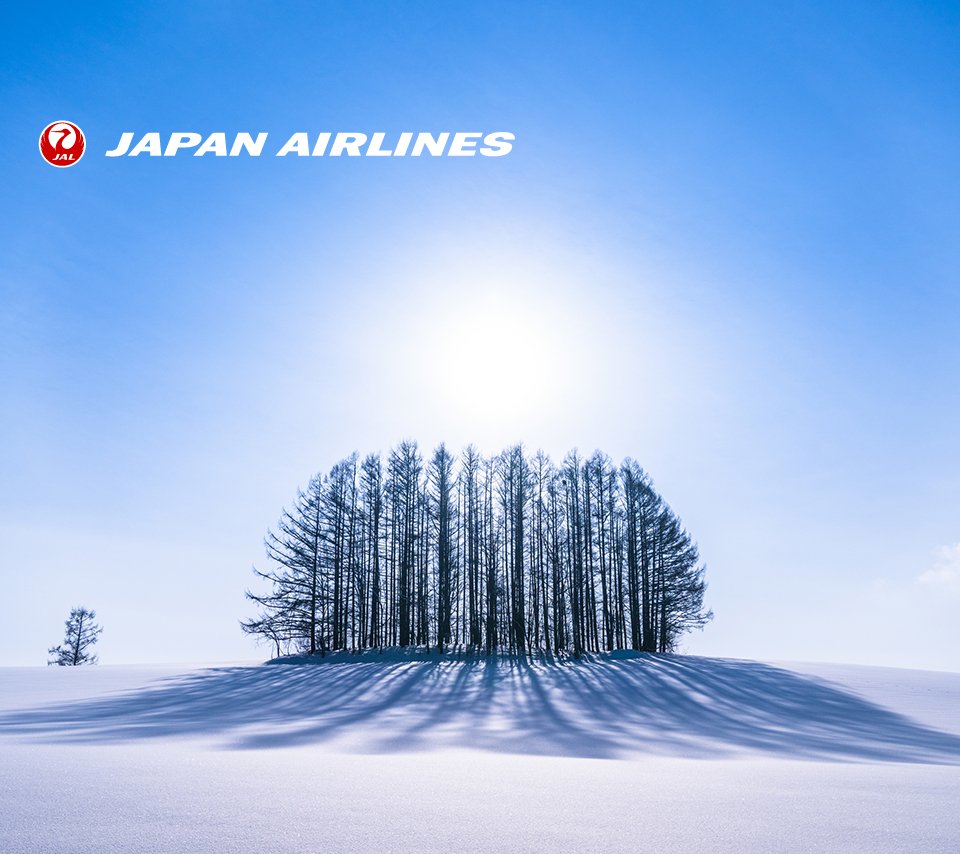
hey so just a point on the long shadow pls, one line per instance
(666, 705)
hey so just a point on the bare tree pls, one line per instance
(441, 497)
(81, 633)
(294, 609)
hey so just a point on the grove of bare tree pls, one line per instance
(489, 553)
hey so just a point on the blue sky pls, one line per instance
(728, 230)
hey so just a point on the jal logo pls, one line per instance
(62, 143)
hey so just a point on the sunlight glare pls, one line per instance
(495, 356)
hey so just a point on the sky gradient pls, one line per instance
(725, 244)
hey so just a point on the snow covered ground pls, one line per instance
(623, 753)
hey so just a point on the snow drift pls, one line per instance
(613, 706)
(658, 754)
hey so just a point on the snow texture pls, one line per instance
(624, 752)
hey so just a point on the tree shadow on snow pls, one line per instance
(651, 704)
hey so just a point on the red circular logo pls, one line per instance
(62, 143)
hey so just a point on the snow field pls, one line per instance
(439, 757)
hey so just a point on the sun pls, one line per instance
(494, 355)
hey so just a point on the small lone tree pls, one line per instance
(82, 633)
